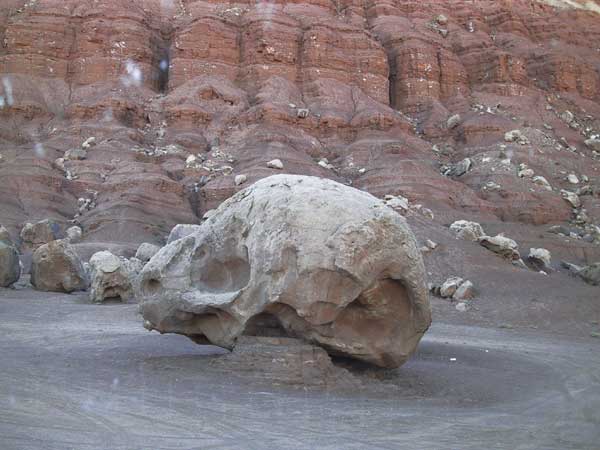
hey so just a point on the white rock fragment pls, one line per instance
(501, 245)
(89, 142)
(275, 164)
(542, 182)
(540, 256)
(571, 197)
(572, 178)
(240, 179)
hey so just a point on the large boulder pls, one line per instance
(56, 267)
(35, 234)
(295, 256)
(111, 277)
(591, 274)
(10, 268)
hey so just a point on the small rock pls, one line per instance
(441, 19)
(146, 251)
(540, 257)
(458, 169)
(302, 113)
(501, 245)
(450, 286)
(516, 136)
(572, 178)
(462, 307)
(430, 244)
(567, 117)
(5, 236)
(526, 173)
(275, 164)
(593, 143)
(59, 163)
(89, 142)
(591, 274)
(397, 202)
(74, 234)
(240, 179)
(75, 154)
(453, 121)
(464, 229)
(465, 291)
(542, 182)
(571, 197)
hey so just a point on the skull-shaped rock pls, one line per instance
(299, 256)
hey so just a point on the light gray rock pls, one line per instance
(593, 143)
(10, 267)
(540, 257)
(516, 136)
(453, 121)
(75, 154)
(571, 197)
(182, 230)
(458, 169)
(465, 291)
(146, 251)
(591, 274)
(110, 276)
(501, 245)
(464, 229)
(449, 287)
(320, 260)
(275, 164)
(240, 179)
(5, 236)
(74, 234)
(542, 182)
(56, 267)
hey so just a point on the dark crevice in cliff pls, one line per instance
(161, 59)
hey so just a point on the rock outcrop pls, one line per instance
(306, 256)
(10, 267)
(56, 267)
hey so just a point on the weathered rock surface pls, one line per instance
(501, 245)
(35, 234)
(591, 274)
(467, 230)
(110, 278)
(10, 268)
(56, 267)
(308, 256)
(146, 251)
(182, 230)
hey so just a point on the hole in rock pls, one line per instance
(210, 274)
(265, 324)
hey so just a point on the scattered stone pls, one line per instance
(516, 136)
(89, 142)
(430, 244)
(593, 143)
(240, 179)
(74, 234)
(146, 251)
(540, 257)
(441, 19)
(10, 266)
(591, 274)
(56, 267)
(458, 169)
(450, 286)
(572, 178)
(302, 113)
(110, 278)
(501, 245)
(325, 164)
(453, 121)
(462, 307)
(465, 291)
(571, 197)
(220, 283)
(397, 202)
(542, 182)
(182, 230)
(567, 117)
(75, 154)
(275, 164)
(470, 231)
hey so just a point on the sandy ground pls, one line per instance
(80, 376)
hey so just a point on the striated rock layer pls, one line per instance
(185, 97)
